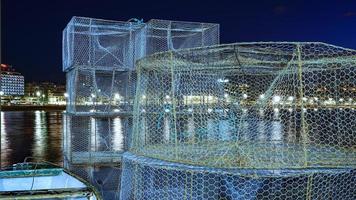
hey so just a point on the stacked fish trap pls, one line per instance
(244, 121)
(99, 60)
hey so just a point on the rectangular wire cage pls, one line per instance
(97, 43)
(166, 35)
(100, 91)
(95, 139)
(99, 57)
(104, 177)
(99, 60)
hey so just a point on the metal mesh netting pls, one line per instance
(248, 105)
(99, 59)
(284, 111)
(94, 138)
(146, 178)
(97, 43)
(164, 35)
(100, 90)
(106, 178)
(99, 56)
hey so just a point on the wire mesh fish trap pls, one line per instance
(99, 44)
(90, 139)
(164, 35)
(147, 178)
(105, 178)
(283, 110)
(105, 44)
(99, 56)
(100, 91)
(248, 105)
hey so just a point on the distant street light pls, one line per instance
(43, 99)
(38, 94)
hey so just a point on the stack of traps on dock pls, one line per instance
(99, 59)
(266, 120)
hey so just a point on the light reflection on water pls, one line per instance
(118, 137)
(93, 130)
(277, 126)
(39, 134)
(31, 134)
(4, 142)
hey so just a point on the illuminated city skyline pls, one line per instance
(32, 42)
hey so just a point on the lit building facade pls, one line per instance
(11, 82)
(44, 93)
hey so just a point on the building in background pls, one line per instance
(44, 93)
(11, 84)
(13, 90)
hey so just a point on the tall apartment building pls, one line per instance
(11, 82)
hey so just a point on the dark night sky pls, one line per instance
(32, 29)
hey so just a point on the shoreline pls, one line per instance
(33, 107)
